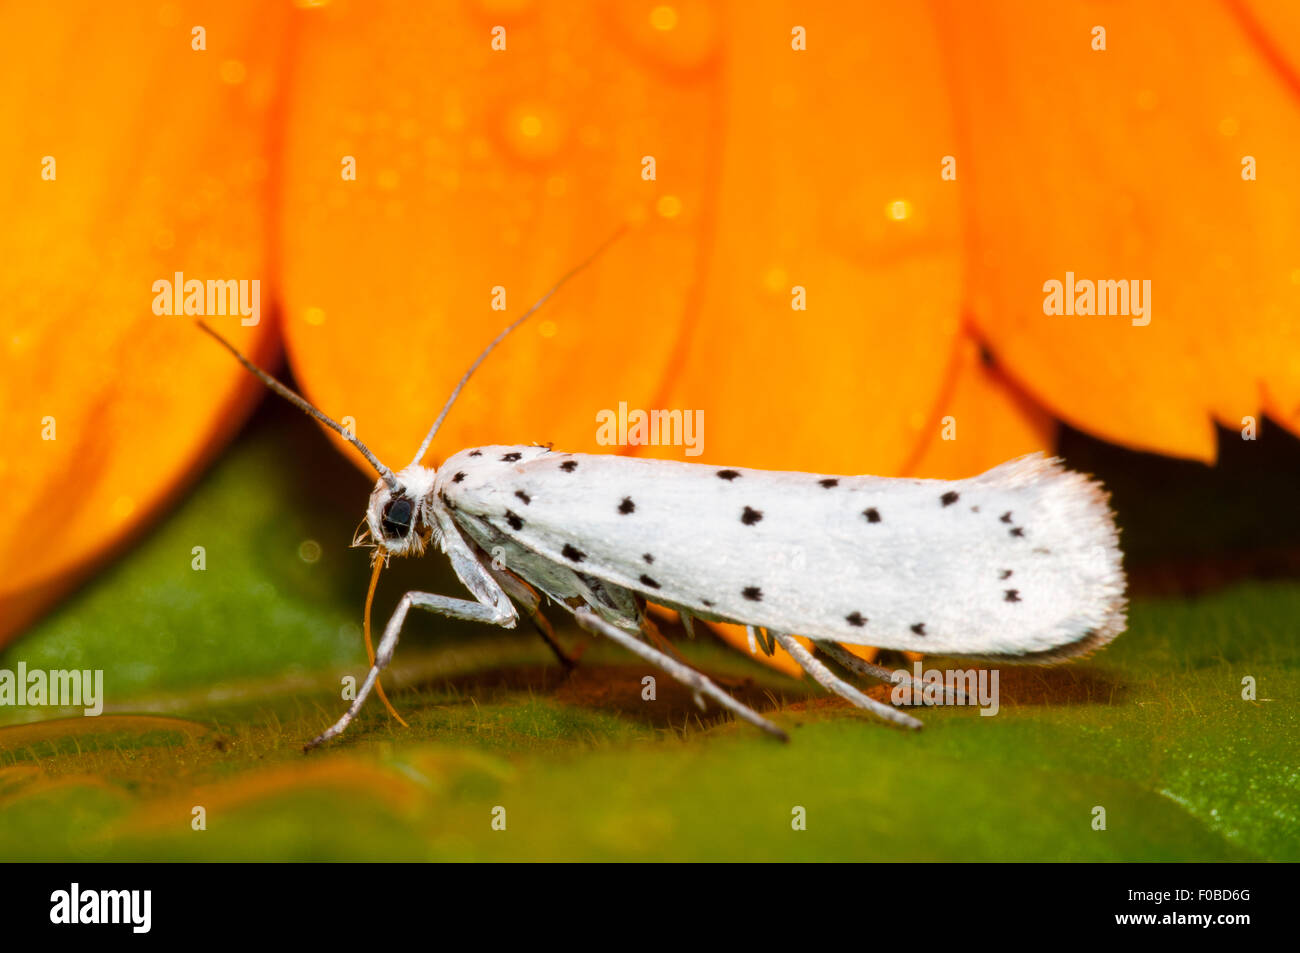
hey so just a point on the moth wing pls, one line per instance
(1020, 561)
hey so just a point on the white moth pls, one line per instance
(1021, 563)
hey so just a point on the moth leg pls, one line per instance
(657, 638)
(830, 681)
(543, 626)
(760, 638)
(688, 623)
(863, 667)
(527, 597)
(678, 670)
(501, 613)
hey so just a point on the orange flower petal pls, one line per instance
(468, 179)
(830, 186)
(1274, 29)
(1127, 164)
(980, 421)
(160, 164)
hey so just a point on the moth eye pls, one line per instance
(397, 518)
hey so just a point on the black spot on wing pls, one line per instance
(523, 496)
(568, 466)
(627, 506)
(649, 560)
(1012, 595)
(872, 514)
(707, 602)
(829, 482)
(727, 475)
(949, 498)
(1004, 574)
(458, 477)
(752, 593)
(1006, 517)
(513, 519)
(855, 619)
(574, 555)
(1017, 531)
(647, 581)
(510, 457)
(476, 453)
(919, 628)
(750, 516)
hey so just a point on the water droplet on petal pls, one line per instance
(684, 35)
(121, 509)
(663, 18)
(899, 210)
(533, 132)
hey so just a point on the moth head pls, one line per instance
(400, 518)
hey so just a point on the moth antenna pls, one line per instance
(301, 403)
(446, 408)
